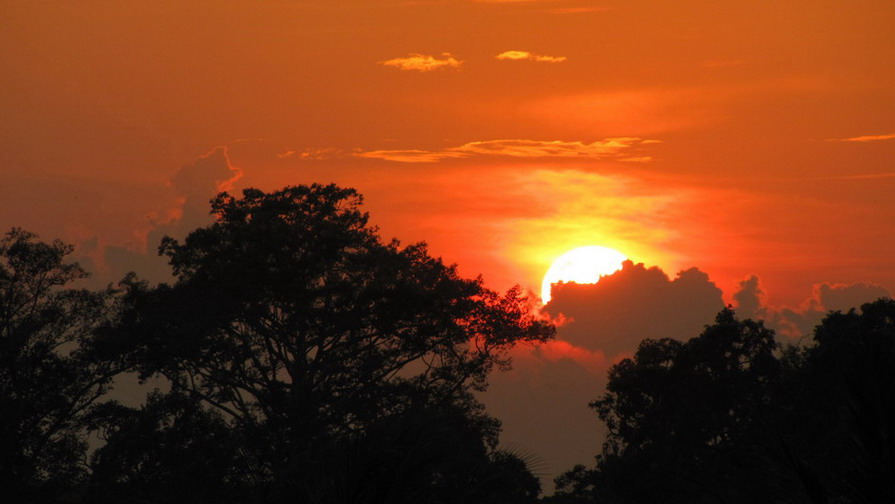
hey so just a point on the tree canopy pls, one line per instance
(733, 416)
(292, 318)
(304, 358)
(50, 370)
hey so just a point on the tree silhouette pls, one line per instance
(171, 449)
(730, 416)
(678, 414)
(49, 377)
(294, 319)
(847, 405)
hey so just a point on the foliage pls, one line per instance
(48, 376)
(170, 449)
(730, 416)
(310, 361)
(292, 318)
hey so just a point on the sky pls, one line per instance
(737, 152)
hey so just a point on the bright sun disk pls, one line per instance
(583, 265)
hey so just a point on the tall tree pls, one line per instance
(292, 317)
(678, 413)
(726, 418)
(49, 376)
(847, 405)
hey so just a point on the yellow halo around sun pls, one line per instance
(581, 265)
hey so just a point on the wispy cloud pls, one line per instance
(410, 155)
(866, 138)
(527, 56)
(423, 62)
(609, 148)
(312, 154)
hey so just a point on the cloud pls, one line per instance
(423, 62)
(525, 55)
(750, 299)
(552, 384)
(411, 155)
(609, 148)
(866, 138)
(622, 309)
(194, 185)
(795, 323)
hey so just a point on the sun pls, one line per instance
(582, 265)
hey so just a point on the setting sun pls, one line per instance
(581, 265)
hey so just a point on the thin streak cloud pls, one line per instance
(866, 138)
(609, 148)
(527, 56)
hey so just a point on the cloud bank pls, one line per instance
(635, 303)
(194, 185)
(798, 323)
(600, 323)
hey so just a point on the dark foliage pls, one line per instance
(169, 450)
(309, 361)
(292, 319)
(49, 371)
(730, 417)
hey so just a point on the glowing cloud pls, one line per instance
(410, 155)
(423, 62)
(527, 56)
(555, 148)
(866, 138)
(609, 148)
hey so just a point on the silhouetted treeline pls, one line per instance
(306, 360)
(733, 416)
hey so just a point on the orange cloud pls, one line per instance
(525, 55)
(797, 323)
(423, 62)
(866, 138)
(609, 148)
(594, 361)
(410, 155)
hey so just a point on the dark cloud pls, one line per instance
(635, 303)
(750, 300)
(193, 185)
(799, 323)
(543, 400)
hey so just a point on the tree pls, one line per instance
(846, 405)
(49, 376)
(294, 319)
(171, 449)
(728, 417)
(678, 415)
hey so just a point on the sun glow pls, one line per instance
(581, 265)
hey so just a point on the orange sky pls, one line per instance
(737, 137)
(732, 118)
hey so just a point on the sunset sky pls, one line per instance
(748, 144)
